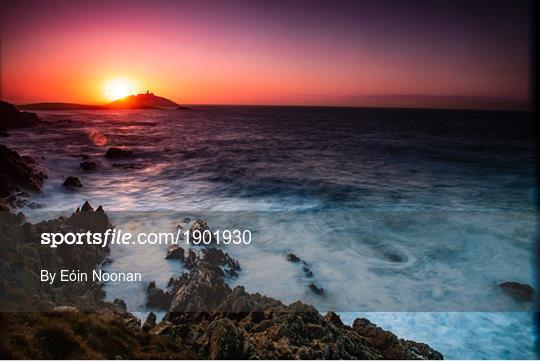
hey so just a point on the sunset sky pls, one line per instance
(320, 53)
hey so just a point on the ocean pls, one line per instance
(408, 217)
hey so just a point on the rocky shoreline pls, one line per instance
(224, 323)
(205, 317)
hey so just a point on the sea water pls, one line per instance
(410, 218)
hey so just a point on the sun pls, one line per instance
(118, 88)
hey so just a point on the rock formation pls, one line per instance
(142, 101)
(72, 182)
(218, 322)
(118, 153)
(19, 173)
(11, 117)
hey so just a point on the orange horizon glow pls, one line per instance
(118, 88)
(261, 53)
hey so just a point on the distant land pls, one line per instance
(151, 101)
(140, 101)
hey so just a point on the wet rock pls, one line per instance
(191, 260)
(519, 291)
(390, 346)
(239, 304)
(186, 220)
(231, 272)
(36, 324)
(199, 291)
(118, 153)
(307, 272)
(11, 117)
(334, 318)
(89, 166)
(18, 173)
(175, 252)
(121, 304)
(200, 226)
(150, 322)
(157, 298)
(72, 182)
(21, 286)
(223, 323)
(291, 257)
(89, 219)
(218, 257)
(315, 289)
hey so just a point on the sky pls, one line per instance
(358, 53)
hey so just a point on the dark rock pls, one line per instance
(218, 257)
(117, 153)
(18, 173)
(519, 291)
(317, 290)
(175, 252)
(157, 298)
(199, 291)
(307, 271)
(72, 182)
(86, 207)
(69, 332)
(291, 257)
(186, 220)
(231, 272)
(21, 286)
(191, 260)
(239, 303)
(142, 101)
(121, 304)
(334, 318)
(225, 340)
(89, 219)
(11, 117)
(150, 322)
(223, 323)
(199, 226)
(89, 166)
(390, 346)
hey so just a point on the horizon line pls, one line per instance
(529, 109)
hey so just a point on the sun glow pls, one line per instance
(119, 88)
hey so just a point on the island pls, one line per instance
(146, 100)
